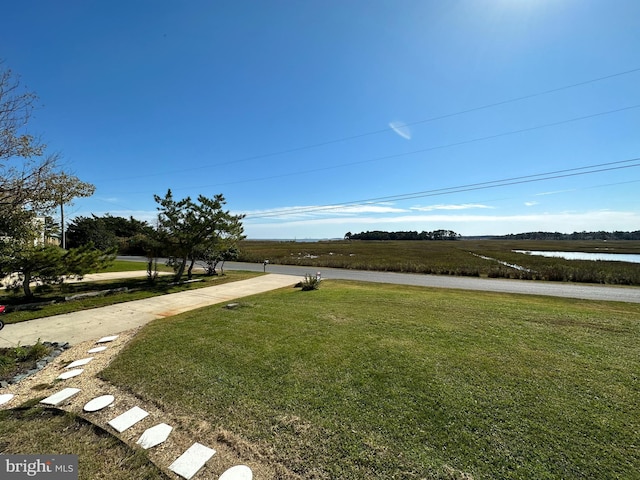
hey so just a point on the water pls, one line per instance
(512, 265)
(609, 257)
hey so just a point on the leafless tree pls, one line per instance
(24, 166)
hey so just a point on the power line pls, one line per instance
(388, 129)
(433, 119)
(572, 172)
(424, 150)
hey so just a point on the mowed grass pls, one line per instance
(133, 266)
(360, 381)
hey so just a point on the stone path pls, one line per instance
(187, 465)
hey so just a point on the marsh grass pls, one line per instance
(461, 258)
(362, 381)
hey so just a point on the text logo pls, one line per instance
(49, 467)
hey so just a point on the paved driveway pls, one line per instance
(98, 322)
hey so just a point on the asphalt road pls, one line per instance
(554, 289)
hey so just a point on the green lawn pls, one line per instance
(376, 381)
(131, 266)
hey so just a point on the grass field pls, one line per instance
(463, 257)
(359, 381)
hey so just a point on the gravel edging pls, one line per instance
(56, 349)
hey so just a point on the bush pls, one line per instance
(33, 352)
(310, 282)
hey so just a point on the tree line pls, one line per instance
(601, 235)
(410, 235)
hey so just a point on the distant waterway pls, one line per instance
(512, 265)
(609, 257)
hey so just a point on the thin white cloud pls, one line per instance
(401, 129)
(464, 224)
(531, 204)
(458, 206)
(555, 192)
(371, 209)
(312, 211)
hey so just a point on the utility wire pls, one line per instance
(433, 119)
(388, 129)
(423, 150)
(572, 172)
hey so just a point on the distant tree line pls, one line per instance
(574, 236)
(411, 235)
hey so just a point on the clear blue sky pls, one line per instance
(283, 105)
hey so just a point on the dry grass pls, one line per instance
(38, 430)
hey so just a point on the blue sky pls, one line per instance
(395, 115)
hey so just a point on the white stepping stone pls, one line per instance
(99, 403)
(154, 436)
(61, 396)
(79, 363)
(70, 374)
(188, 464)
(239, 472)
(128, 419)
(107, 339)
(5, 398)
(97, 350)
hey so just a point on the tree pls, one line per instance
(187, 228)
(214, 256)
(30, 187)
(85, 230)
(129, 235)
(24, 168)
(49, 264)
(64, 188)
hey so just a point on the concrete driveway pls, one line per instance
(98, 322)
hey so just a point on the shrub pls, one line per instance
(6, 363)
(310, 282)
